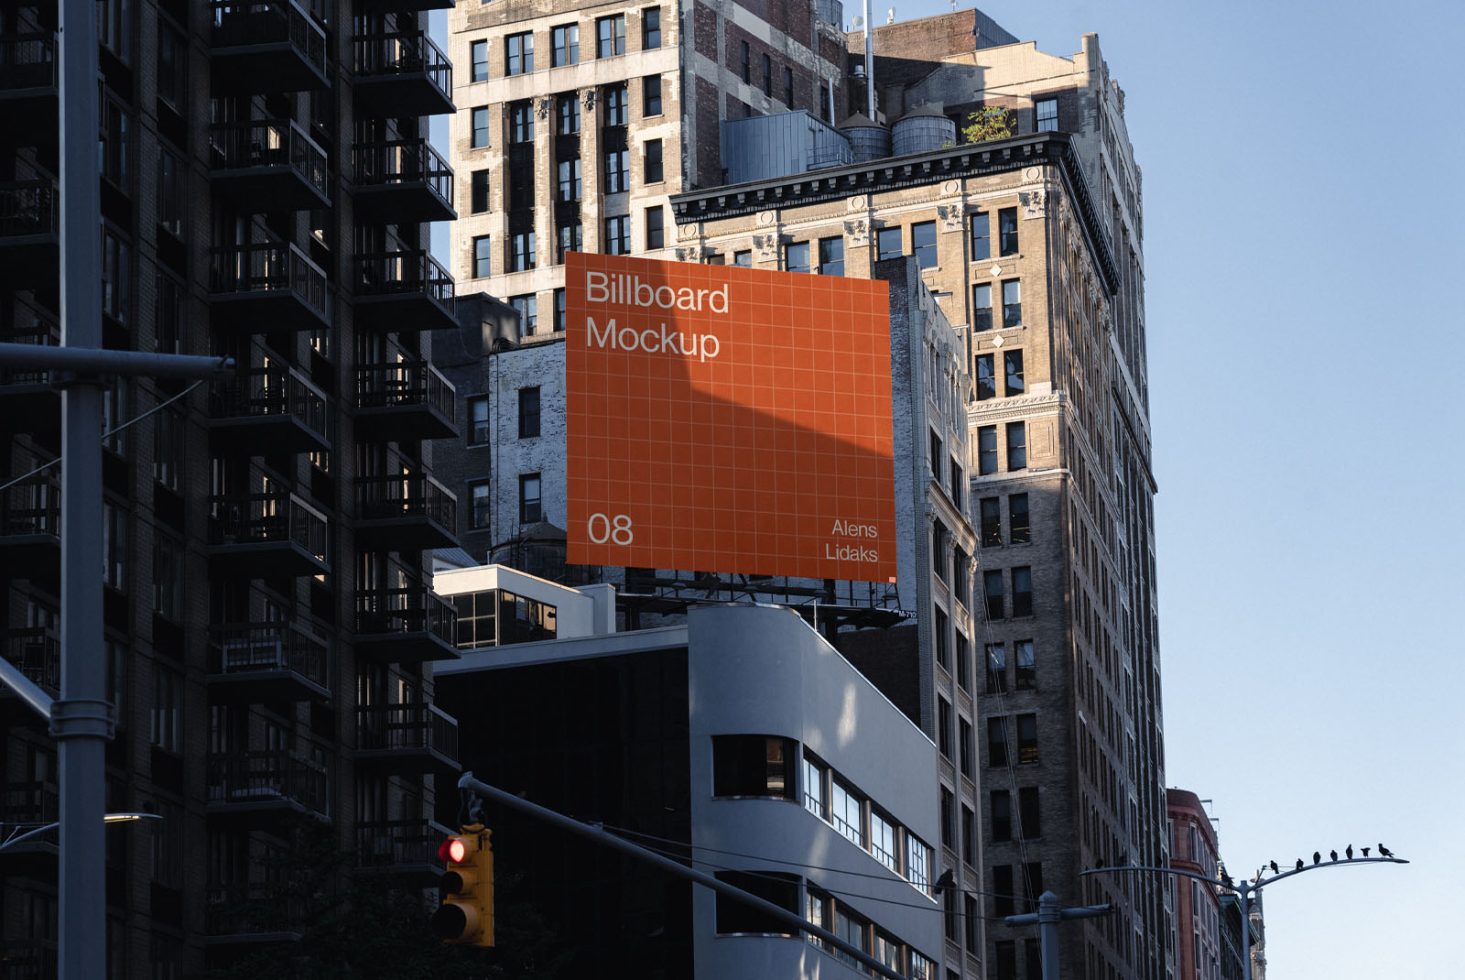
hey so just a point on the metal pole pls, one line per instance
(80, 360)
(869, 65)
(81, 719)
(1243, 895)
(1049, 915)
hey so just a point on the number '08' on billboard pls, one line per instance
(724, 419)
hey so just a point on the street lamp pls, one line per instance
(1244, 890)
(18, 835)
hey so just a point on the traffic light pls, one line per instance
(466, 913)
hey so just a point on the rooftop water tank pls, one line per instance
(868, 139)
(922, 129)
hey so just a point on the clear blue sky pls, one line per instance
(1303, 167)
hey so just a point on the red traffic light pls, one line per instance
(452, 850)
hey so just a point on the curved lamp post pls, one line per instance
(17, 835)
(1244, 889)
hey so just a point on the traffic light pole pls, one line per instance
(1050, 913)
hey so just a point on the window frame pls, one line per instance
(529, 412)
(531, 509)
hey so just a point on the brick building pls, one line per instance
(269, 625)
(1200, 939)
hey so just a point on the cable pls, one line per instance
(109, 433)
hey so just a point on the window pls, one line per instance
(767, 75)
(853, 930)
(816, 794)
(1000, 810)
(568, 111)
(996, 658)
(519, 53)
(963, 662)
(953, 918)
(559, 296)
(617, 105)
(1022, 591)
(948, 818)
(481, 506)
(990, 509)
(564, 45)
(651, 161)
(992, 588)
(170, 192)
(651, 95)
(569, 179)
(796, 257)
(1034, 957)
(943, 726)
(114, 27)
(1047, 115)
(747, 62)
(478, 191)
(521, 122)
(651, 27)
(1017, 445)
(655, 229)
(997, 742)
(982, 306)
(986, 449)
(846, 812)
(938, 632)
(923, 244)
(114, 547)
(528, 412)
(917, 862)
(922, 968)
(164, 728)
(959, 585)
(788, 87)
(167, 582)
(1027, 665)
(168, 315)
(969, 907)
(1007, 231)
(831, 256)
(172, 67)
(527, 306)
(734, 917)
(521, 251)
(1019, 528)
(882, 841)
(934, 461)
(743, 258)
(1011, 303)
(618, 236)
(1032, 885)
(1030, 821)
(530, 509)
(968, 835)
(480, 127)
(986, 378)
(889, 243)
(478, 425)
(478, 54)
(981, 233)
(610, 36)
(116, 280)
(569, 238)
(1006, 949)
(617, 172)
(1027, 738)
(752, 765)
(1012, 367)
(167, 448)
(964, 746)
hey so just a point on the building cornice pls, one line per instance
(915, 170)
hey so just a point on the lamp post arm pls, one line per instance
(1259, 885)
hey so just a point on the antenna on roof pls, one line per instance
(890, 15)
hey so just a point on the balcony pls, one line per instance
(254, 787)
(405, 626)
(37, 652)
(270, 407)
(401, 74)
(268, 534)
(259, 662)
(252, 914)
(28, 86)
(266, 46)
(407, 738)
(30, 803)
(402, 401)
(407, 512)
(30, 529)
(30, 228)
(28, 959)
(269, 165)
(28, 401)
(403, 6)
(405, 290)
(402, 181)
(405, 848)
(268, 286)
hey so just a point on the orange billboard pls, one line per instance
(725, 419)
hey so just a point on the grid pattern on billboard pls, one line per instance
(724, 419)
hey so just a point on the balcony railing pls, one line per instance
(37, 652)
(253, 909)
(410, 495)
(266, 776)
(247, 23)
(274, 391)
(409, 610)
(32, 802)
(29, 208)
(396, 162)
(279, 143)
(405, 384)
(28, 959)
(255, 647)
(407, 726)
(30, 507)
(269, 268)
(31, 327)
(412, 271)
(268, 518)
(402, 53)
(385, 844)
(27, 61)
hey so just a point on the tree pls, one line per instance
(990, 122)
